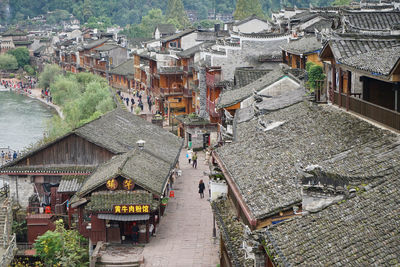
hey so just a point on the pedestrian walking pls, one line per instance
(194, 158)
(189, 155)
(201, 188)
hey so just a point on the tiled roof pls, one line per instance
(388, 58)
(166, 28)
(249, 19)
(192, 120)
(319, 25)
(263, 158)
(104, 200)
(361, 231)
(106, 47)
(194, 49)
(145, 168)
(95, 43)
(118, 131)
(177, 35)
(347, 46)
(373, 21)
(125, 68)
(244, 76)
(304, 45)
(71, 184)
(232, 97)
(232, 232)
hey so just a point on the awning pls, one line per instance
(124, 218)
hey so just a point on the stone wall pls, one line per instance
(21, 188)
(248, 55)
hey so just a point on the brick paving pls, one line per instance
(184, 235)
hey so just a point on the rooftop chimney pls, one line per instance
(140, 144)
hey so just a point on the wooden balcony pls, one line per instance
(171, 91)
(369, 110)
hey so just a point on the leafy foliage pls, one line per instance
(62, 247)
(341, 2)
(176, 14)
(146, 27)
(130, 12)
(22, 56)
(82, 97)
(8, 62)
(48, 75)
(315, 74)
(247, 8)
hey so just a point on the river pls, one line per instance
(22, 120)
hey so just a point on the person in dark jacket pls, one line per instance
(135, 233)
(201, 188)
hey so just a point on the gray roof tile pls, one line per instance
(304, 45)
(262, 162)
(361, 231)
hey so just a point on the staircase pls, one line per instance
(110, 255)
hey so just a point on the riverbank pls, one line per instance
(35, 93)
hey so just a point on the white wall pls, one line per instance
(21, 189)
(189, 41)
(254, 25)
(278, 88)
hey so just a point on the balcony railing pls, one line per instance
(171, 91)
(377, 113)
(170, 70)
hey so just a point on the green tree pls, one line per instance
(341, 2)
(22, 56)
(315, 74)
(62, 247)
(8, 62)
(147, 26)
(247, 8)
(176, 11)
(49, 74)
(29, 69)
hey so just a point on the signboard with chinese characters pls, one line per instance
(131, 209)
(128, 184)
(112, 184)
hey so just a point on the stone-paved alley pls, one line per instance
(184, 236)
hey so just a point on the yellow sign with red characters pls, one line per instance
(131, 209)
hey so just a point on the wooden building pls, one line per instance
(297, 53)
(275, 173)
(363, 75)
(51, 174)
(122, 76)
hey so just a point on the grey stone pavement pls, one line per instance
(184, 235)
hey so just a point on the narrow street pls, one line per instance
(184, 236)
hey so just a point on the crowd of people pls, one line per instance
(8, 156)
(135, 99)
(25, 86)
(46, 94)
